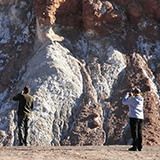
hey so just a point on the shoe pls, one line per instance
(132, 149)
(140, 148)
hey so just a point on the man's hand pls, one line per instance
(130, 94)
(22, 92)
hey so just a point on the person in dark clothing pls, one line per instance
(135, 102)
(24, 110)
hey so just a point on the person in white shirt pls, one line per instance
(135, 102)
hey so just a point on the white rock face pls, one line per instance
(56, 80)
(115, 65)
(57, 84)
(105, 74)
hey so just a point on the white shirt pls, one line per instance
(135, 106)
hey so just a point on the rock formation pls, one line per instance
(79, 57)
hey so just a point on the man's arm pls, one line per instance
(17, 97)
(126, 100)
(32, 104)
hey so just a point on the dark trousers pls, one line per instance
(23, 125)
(136, 132)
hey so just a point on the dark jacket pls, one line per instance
(25, 103)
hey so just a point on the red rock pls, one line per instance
(136, 77)
(86, 130)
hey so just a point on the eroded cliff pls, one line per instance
(81, 59)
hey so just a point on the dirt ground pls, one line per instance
(113, 152)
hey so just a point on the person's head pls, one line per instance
(136, 91)
(26, 89)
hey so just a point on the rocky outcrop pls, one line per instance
(88, 127)
(80, 61)
(61, 11)
(16, 36)
(98, 16)
(137, 74)
(17, 32)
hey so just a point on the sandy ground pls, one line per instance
(115, 152)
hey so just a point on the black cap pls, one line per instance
(137, 90)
